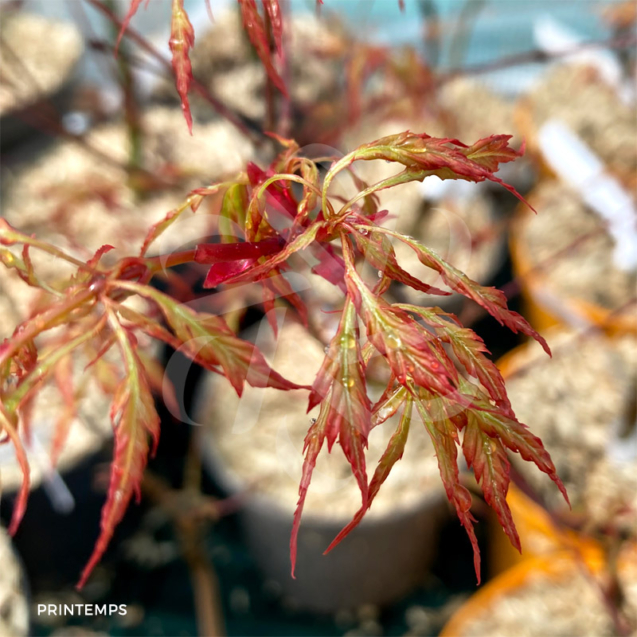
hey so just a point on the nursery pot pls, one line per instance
(50, 53)
(603, 392)
(379, 562)
(260, 464)
(579, 97)
(503, 598)
(544, 306)
(14, 603)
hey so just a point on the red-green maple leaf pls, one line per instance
(411, 351)
(443, 431)
(207, 339)
(491, 299)
(135, 423)
(490, 464)
(392, 454)
(345, 414)
(469, 349)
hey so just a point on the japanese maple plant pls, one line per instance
(273, 220)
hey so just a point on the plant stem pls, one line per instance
(131, 107)
(10, 236)
(163, 261)
(44, 321)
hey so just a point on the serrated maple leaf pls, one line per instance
(135, 423)
(468, 348)
(423, 155)
(488, 459)
(341, 389)
(380, 254)
(207, 339)
(443, 432)
(182, 39)
(392, 454)
(513, 434)
(491, 299)
(413, 353)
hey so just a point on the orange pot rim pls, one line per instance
(535, 281)
(554, 566)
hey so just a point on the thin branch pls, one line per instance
(248, 128)
(536, 55)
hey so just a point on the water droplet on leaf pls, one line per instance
(393, 340)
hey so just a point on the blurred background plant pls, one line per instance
(110, 149)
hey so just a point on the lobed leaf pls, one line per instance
(391, 455)
(342, 379)
(413, 353)
(209, 341)
(491, 299)
(469, 349)
(379, 253)
(345, 414)
(444, 436)
(423, 155)
(513, 434)
(490, 464)
(135, 420)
